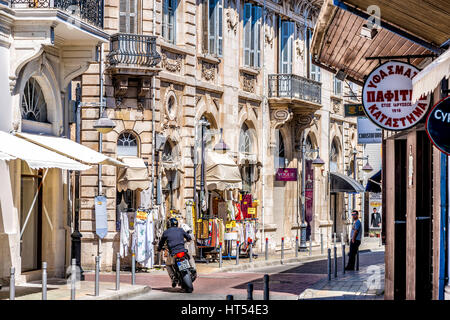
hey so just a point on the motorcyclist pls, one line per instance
(174, 237)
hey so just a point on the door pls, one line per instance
(31, 207)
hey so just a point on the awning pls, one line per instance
(71, 149)
(430, 77)
(6, 157)
(343, 183)
(221, 173)
(134, 176)
(36, 156)
(374, 183)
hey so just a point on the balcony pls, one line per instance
(90, 11)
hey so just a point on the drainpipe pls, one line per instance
(100, 138)
(443, 251)
(263, 144)
(153, 115)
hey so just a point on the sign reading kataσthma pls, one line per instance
(387, 95)
(438, 125)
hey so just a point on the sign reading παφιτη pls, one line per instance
(387, 95)
(438, 125)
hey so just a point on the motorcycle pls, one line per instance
(184, 273)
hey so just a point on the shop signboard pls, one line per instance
(386, 97)
(375, 211)
(368, 132)
(438, 125)
(286, 174)
(354, 110)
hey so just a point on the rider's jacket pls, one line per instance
(175, 240)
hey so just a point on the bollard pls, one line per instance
(250, 291)
(230, 297)
(335, 262)
(118, 272)
(251, 250)
(133, 269)
(97, 275)
(282, 250)
(329, 264)
(73, 278)
(238, 251)
(266, 287)
(44, 280)
(220, 254)
(296, 247)
(335, 239)
(357, 259)
(12, 284)
(267, 249)
(321, 243)
(310, 246)
(343, 258)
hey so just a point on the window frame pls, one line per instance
(165, 22)
(252, 35)
(128, 16)
(135, 139)
(286, 40)
(335, 82)
(215, 34)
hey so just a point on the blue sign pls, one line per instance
(101, 217)
(438, 125)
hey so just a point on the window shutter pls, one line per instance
(247, 33)
(219, 27)
(123, 16)
(132, 17)
(165, 17)
(285, 47)
(205, 29)
(212, 26)
(257, 32)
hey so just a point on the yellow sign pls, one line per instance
(199, 220)
(233, 224)
(251, 210)
(141, 215)
(228, 225)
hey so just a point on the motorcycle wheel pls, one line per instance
(186, 283)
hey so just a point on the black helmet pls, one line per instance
(172, 223)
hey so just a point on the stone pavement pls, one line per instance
(365, 284)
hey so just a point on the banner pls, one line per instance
(286, 174)
(375, 211)
(368, 132)
(101, 217)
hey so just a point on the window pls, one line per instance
(169, 20)
(213, 27)
(127, 145)
(252, 35)
(334, 157)
(128, 16)
(286, 46)
(315, 73)
(245, 140)
(353, 94)
(337, 87)
(281, 152)
(34, 107)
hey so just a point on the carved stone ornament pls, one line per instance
(303, 121)
(120, 89)
(248, 82)
(143, 90)
(336, 106)
(208, 70)
(277, 119)
(232, 16)
(171, 61)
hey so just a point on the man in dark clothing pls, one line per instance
(355, 241)
(376, 218)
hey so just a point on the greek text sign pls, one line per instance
(438, 125)
(387, 95)
(286, 174)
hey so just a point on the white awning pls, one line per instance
(429, 78)
(222, 173)
(36, 156)
(134, 176)
(71, 149)
(6, 157)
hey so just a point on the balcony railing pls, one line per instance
(293, 86)
(89, 10)
(133, 49)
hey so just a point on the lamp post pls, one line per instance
(318, 162)
(366, 168)
(203, 122)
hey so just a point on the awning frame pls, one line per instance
(356, 187)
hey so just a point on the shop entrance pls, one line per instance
(424, 210)
(31, 228)
(400, 220)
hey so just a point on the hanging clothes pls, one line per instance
(245, 204)
(189, 218)
(238, 211)
(124, 234)
(143, 238)
(121, 207)
(146, 198)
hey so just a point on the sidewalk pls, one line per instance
(58, 289)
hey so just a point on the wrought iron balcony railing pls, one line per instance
(89, 10)
(133, 49)
(293, 86)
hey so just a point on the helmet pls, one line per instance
(172, 223)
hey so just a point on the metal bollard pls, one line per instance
(321, 243)
(238, 251)
(343, 258)
(73, 278)
(329, 264)
(296, 247)
(220, 254)
(266, 287)
(133, 269)
(335, 239)
(97, 275)
(250, 291)
(282, 250)
(118, 272)
(250, 251)
(335, 262)
(12, 284)
(310, 246)
(230, 297)
(44, 280)
(357, 260)
(267, 249)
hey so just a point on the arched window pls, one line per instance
(127, 145)
(34, 107)
(245, 140)
(334, 157)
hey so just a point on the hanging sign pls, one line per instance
(251, 211)
(101, 217)
(286, 174)
(354, 110)
(387, 95)
(438, 125)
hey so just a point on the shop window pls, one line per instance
(252, 35)
(169, 20)
(128, 16)
(127, 145)
(34, 107)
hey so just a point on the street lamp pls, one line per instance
(318, 162)
(221, 146)
(104, 124)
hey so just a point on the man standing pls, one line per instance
(355, 241)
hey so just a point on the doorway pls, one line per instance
(31, 218)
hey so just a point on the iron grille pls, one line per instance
(294, 86)
(133, 49)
